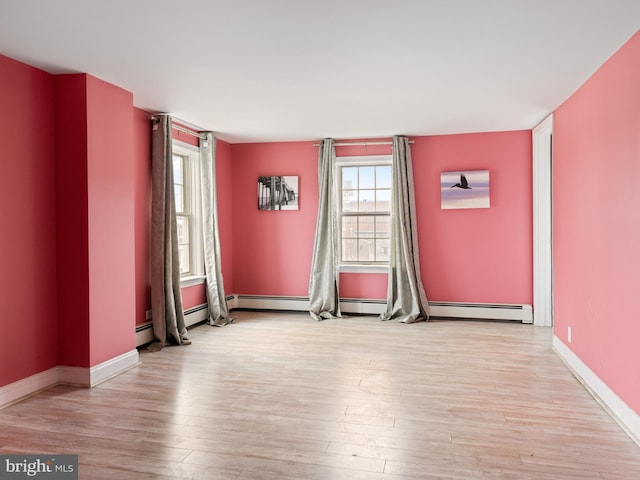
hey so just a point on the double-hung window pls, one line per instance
(364, 210)
(186, 185)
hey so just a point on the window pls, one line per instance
(365, 209)
(186, 182)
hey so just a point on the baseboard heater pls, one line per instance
(301, 304)
(453, 310)
(197, 314)
(486, 311)
(483, 311)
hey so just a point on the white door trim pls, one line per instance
(542, 223)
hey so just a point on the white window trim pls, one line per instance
(362, 268)
(355, 160)
(196, 276)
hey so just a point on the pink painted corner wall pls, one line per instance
(597, 222)
(95, 220)
(142, 209)
(476, 255)
(72, 219)
(272, 249)
(111, 232)
(225, 199)
(28, 318)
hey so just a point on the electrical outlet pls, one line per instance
(569, 334)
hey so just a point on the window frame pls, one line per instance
(192, 210)
(359, 161)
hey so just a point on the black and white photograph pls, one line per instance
(278, 193)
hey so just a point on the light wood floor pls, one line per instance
(279, 396)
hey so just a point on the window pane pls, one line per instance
(349, 177)
(383, 248)
(367, 177)
(383, 176)
(383, 200)
(349, 227)
(383, 226)
(366, 227)
(183, 254)
(349, 250)
(183, 229)
(179, 194)
(367, 201)
(177, 169)
(366, 250)
(350, 201)
(366, 192)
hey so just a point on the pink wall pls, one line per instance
(142, 207)
(272, 249)
(111, 232)
(95, 199)
(492, 247)
(225, 197)
(28, 315)
(72, 219)
(597, 222)
(476, 255)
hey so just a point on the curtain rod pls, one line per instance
(188, 132)
(182, 129)
(359, 144)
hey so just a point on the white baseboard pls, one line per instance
(16, 391)
(628, 420)
(61, 375)
(90, 377)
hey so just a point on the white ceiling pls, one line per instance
(276, 70)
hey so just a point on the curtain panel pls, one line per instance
(406, 298)
(324, 298)
(218, 310)
(166, 296)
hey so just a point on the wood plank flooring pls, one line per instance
(279, 396)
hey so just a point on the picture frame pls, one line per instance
(464, 189)
(278, 192)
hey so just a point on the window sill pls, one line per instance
(191, 280)
(364, 268)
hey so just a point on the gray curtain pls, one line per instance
(406, 299)
(324, 299)
(218, 310)
(166, 297)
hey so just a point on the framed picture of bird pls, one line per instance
(464, 189)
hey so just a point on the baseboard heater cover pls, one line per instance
(193, 315)
(486, 311)
(301, 304)
(453, 310)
